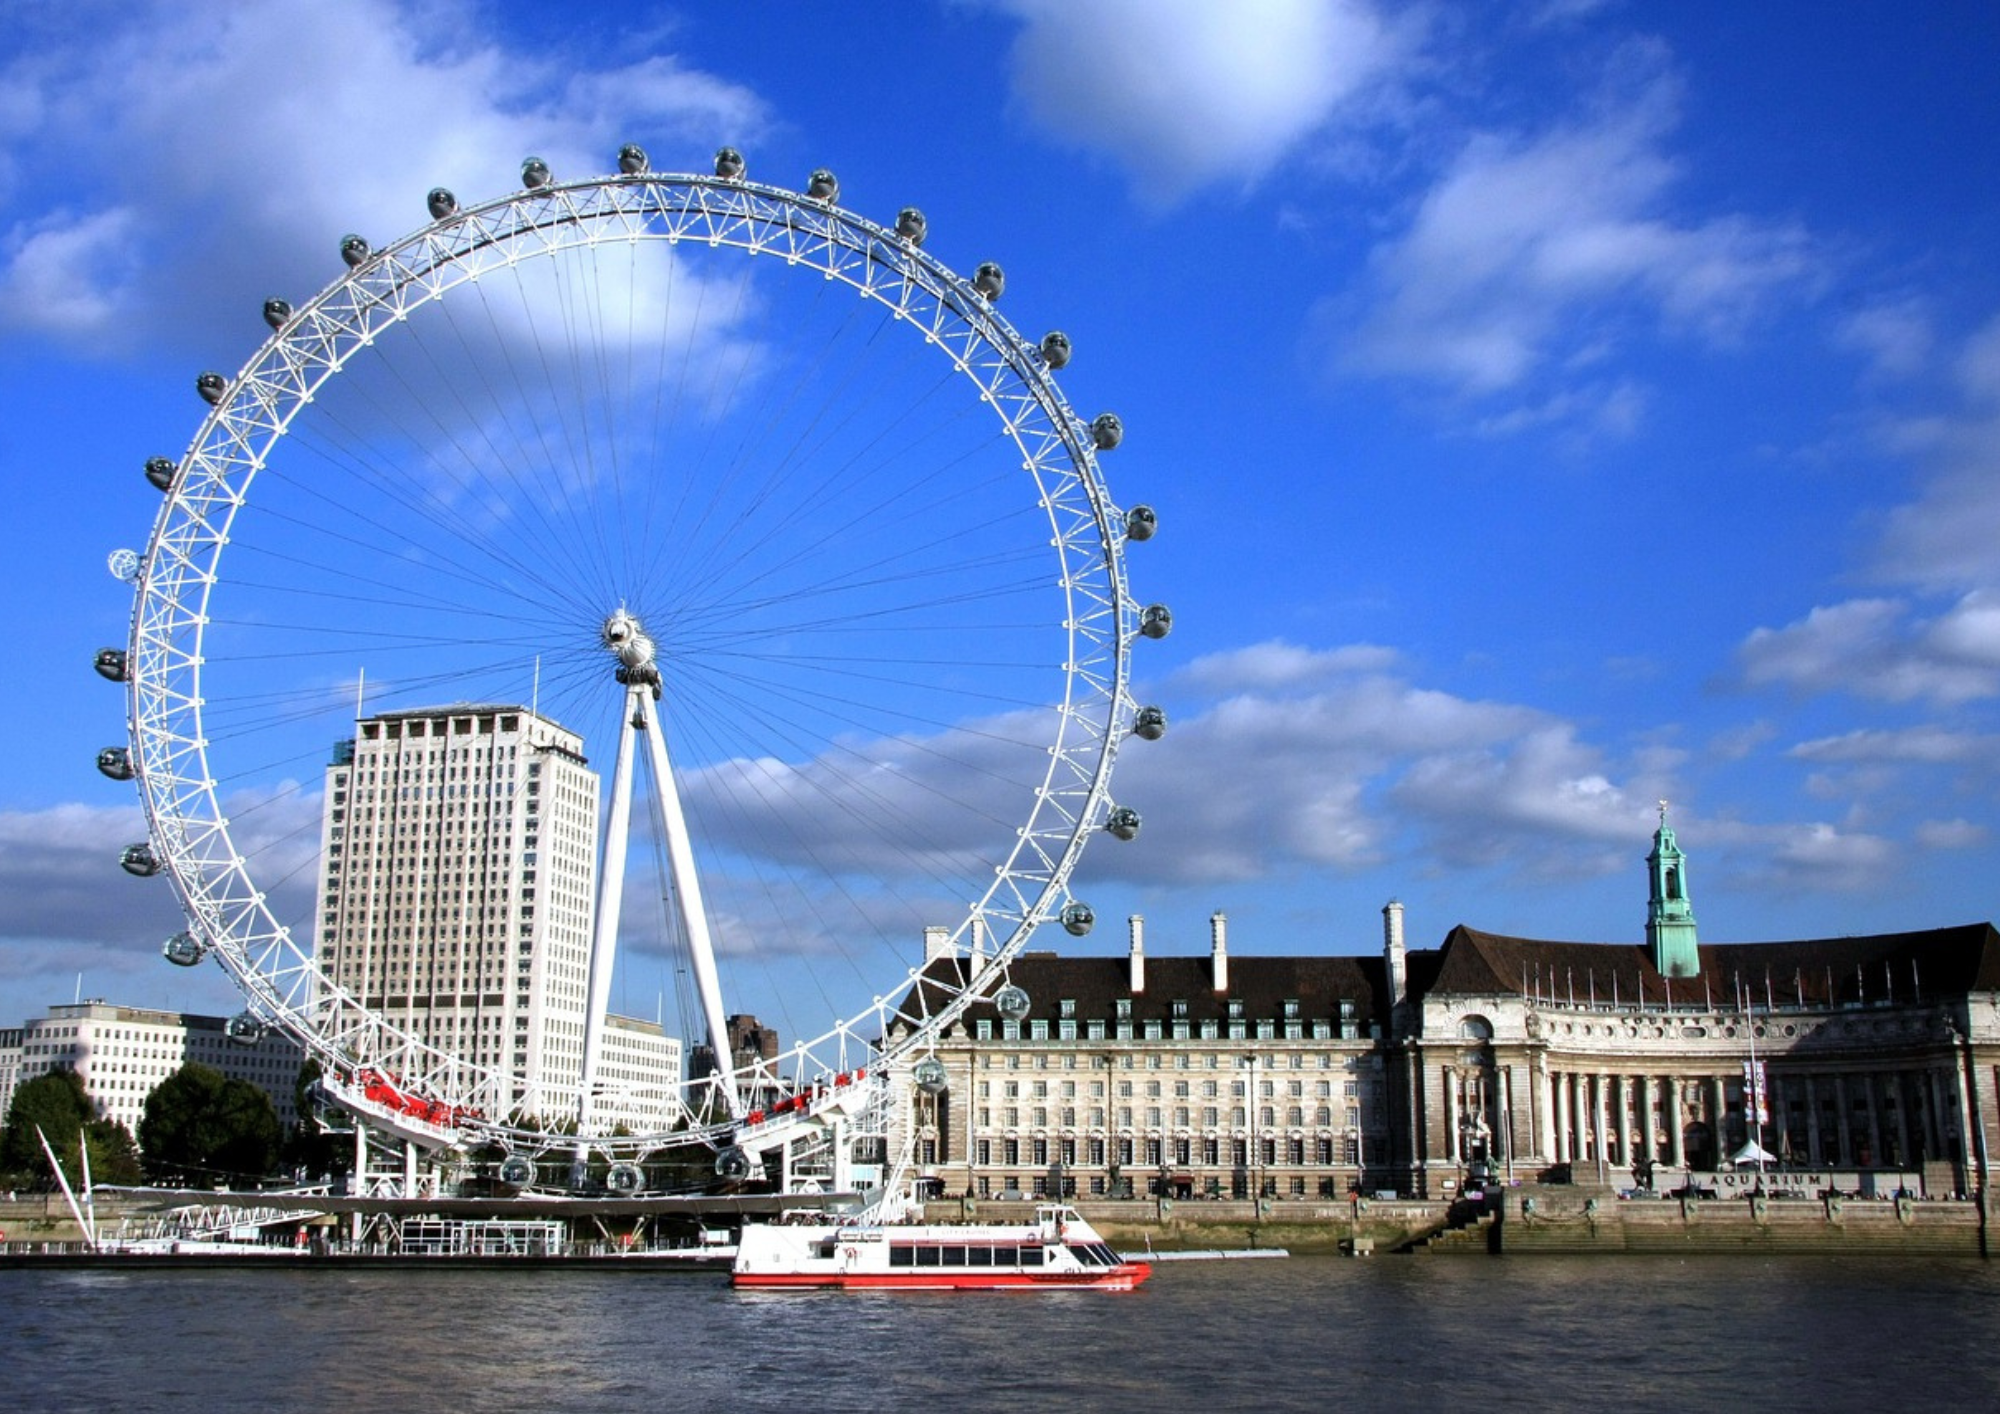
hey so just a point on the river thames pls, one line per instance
(1389, 1333)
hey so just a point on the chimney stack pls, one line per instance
(937, 943)
(1392, 951)
(1138, 979)
(1218, 949)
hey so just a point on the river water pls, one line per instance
(1388, 1333)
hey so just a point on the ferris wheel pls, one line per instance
(720, 482)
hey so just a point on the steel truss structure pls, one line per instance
(184, 566)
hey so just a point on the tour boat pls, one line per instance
(1058, 1251)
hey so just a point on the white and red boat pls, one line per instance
(1058, 1251)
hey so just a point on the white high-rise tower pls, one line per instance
(457, 889)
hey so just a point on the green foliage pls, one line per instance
(59, 1106)
(201, 1128)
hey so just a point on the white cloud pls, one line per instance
(1185, 93)
(270, 130)
(1877, 648)
(1951, 834)
(1927, 745)
(1895, 336)
(1543, 252)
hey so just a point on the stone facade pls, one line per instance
(1616, 1065)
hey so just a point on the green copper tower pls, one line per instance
(1670, 929)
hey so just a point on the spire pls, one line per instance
(1670, 927)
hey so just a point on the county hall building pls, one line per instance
(1521, 1059)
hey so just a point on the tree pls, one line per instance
(201, 1126)
(57, 1105)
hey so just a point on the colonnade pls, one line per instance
(1845, 1118)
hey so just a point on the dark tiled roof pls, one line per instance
(1932, 962)
(1262, 984)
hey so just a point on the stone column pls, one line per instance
(1933, 1113)
(1777, 1132)
(1869, 1091)
(1542, 1133)
(1451, 1145)
(1842, 1123)
(1597, 1118)
(1670, 1116)
(1718, 1109)
(1649, 1130)
(1815, 1152)
(1563, 1150)
(1899, 1087)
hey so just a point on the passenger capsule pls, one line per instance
(1011, 1002)
(139, 861)
(441, 203)
(632, 159)
(277, 311)
(115, 762)
(183, 950)
(124, 565)
(911, 225)
(728, 164)
(732, 1164)
(1123, 823)
(990, 280)
(353, 249)
(534, 173)
(1106, 431)
(161, 471)
(822, 185)
(516, 1171)
(1078, 918)
(929, 1075)
(1150, 723)
(1157, 621)
(110, 663)
(624, 1180)
(1056, 349)
(244, 1028)
(1141, 522)
(213, 387)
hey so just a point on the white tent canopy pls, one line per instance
(1753, 1153)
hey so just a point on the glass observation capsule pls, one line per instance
(115, 762)
(822, 185)
(632, 159)
(728, 163)
(244, 1028)
(139, 861)
(516, 1172)
(1157, 621)
(1011, 1002)
(110, 663)
(212, 387)
(183, 950)
(277, 312)
(353, 249)
(990, 280)
(1078, 918)
(1056, 349)
(1123, 823)
(929, 1075)
(733, 1164)
(1149, 723)
(1106, 431)
(534, 173)
(1141, 523)
(911, 225)
(624, 1179)
(441, 203)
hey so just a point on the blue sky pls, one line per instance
(1551, 408)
